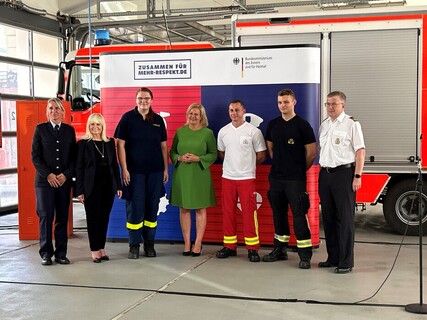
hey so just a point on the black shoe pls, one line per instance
(149, 250)
(276, 254)
(62, 260)
(304, 264)
(133, 251)
(326, 264)
(97, 260)
(105, 258)
(342, 270)
(46, 261)
(253, 256)
(196, 254)
(225, 253)
(187, 253)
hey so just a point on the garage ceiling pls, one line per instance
(173, 20)
(152, 21)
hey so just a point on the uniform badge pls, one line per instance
(337, 141)
(291, 141)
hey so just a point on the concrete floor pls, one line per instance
(172, 286)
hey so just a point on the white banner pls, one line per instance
(211, 67)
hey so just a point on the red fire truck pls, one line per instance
(379, 59)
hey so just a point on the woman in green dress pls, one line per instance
(193, 152)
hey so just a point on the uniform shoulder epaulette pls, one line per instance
(353, 118)
(324, 120)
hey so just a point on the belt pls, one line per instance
(341, 167)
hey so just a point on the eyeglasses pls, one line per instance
(146, 99)
(333, 104)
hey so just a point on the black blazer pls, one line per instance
(86, 165)
(53, 153)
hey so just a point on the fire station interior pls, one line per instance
(35, 36)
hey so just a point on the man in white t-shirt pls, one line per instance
(241, 145)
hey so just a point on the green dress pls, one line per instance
(192, 186)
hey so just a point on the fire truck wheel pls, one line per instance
(400, 208)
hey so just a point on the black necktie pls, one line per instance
(57, 129)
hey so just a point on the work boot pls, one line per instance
(253, 255)
(149, 249)
(225, 253)
(304, 264)
(133, 251)
(276, 254)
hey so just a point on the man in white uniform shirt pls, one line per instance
(241, 146)
(342, 156)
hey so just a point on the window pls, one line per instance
(15, 79)
(28, 69)
(8, 152)
(8, 190)
(80, 85)
(45, 82)
(14, 42)
(8, 116)
(46, 49)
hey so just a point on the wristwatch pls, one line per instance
(357, 176)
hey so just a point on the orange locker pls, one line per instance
(29, 114)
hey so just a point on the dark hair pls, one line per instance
(143, 89)
(339, 94)
(286, 92)
(237, 101)
(150, 115)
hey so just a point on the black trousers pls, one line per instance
(281, 194)
(98, 207)
(338, 202)
(52, 204)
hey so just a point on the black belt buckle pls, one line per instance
(341, 167)
(327, 169)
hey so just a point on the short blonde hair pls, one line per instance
(58, 102)
(204, 119)
(98, 119)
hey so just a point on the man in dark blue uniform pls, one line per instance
(53, 154)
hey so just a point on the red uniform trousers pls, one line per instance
(245, 190)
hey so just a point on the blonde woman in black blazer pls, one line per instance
(98, 181)
(53, 153)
